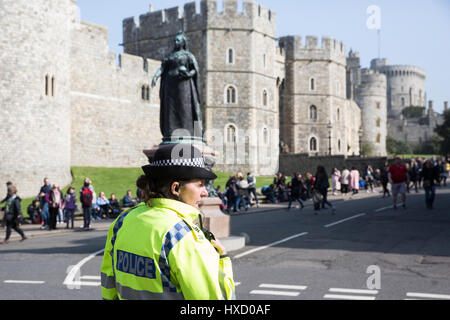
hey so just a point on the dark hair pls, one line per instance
(160, 188)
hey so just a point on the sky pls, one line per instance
(413, 32)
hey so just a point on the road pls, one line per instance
(366, 251)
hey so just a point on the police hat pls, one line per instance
(178, 161)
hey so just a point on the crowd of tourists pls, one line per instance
(51, 207)
(395, 179)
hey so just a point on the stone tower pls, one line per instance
(318, 115)
(370, 95)
(34, 83)
(405, 86)
(241, 72)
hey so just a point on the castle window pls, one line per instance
(313, 112)
(403, 102)
(145, 92)
(378, 105)
(378, 138)
(378, 122)
(270, 15)
(313, 144)
(266, 135)
(339, 145)
(311, 84)
(338, 115)
(264, 98)
(230, 56)
(46, 85)
(231, 95)
(53, 86)
(231, 134)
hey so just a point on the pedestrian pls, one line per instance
(243, 195)
(354, 180)
(442, 172)
(13, 215)
(398, 178)
(384, 179)
(252, 188)
(103, 205)
(321, 184)
(414, 175)
(8, 187)
(231, 194)
(44, 204)
(309, 182)
(345, 180)
(115, 205)
(336, 180)
(128, 200)
(430, 176)
(86, 197)
(54, 198)
(296, 188)
(70, 206)
(34, 212)
(269, 192)
(369, 179)
(155, 250)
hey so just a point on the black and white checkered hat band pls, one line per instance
(193, 162)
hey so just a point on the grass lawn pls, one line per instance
(119, 180)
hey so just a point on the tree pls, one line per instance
(397, 147)
(367, 148)
(443, 131)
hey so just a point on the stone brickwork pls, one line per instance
(111, 122)
(35, 117)
(371, 97)
(315, 97)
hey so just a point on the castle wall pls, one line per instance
(111, 123)
(35, 121)
(316, 76)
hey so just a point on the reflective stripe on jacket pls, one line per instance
(158, 252)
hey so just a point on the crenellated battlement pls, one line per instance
(329, 49)
(166, 22)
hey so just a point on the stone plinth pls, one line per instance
(213, 219)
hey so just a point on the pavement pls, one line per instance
(232, 243)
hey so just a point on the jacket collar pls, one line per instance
(185, 210)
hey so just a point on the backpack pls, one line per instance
(86, 197)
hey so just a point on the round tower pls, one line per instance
(405, 86)
(35, 94)
(371, 98)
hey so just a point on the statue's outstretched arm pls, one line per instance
(158, 74)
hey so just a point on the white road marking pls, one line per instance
(270, 245)
(359, 291)
(70, 282)
(276, 293)
(90, 277)
(343, 220)
(427, 295)
(384, 208)
(346, 297)
(24, 281)
(282, 286)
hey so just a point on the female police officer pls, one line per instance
(154, 250)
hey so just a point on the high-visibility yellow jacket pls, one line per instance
(157, 252)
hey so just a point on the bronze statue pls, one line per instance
(179, 95)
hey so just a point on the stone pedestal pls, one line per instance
(213, 219)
